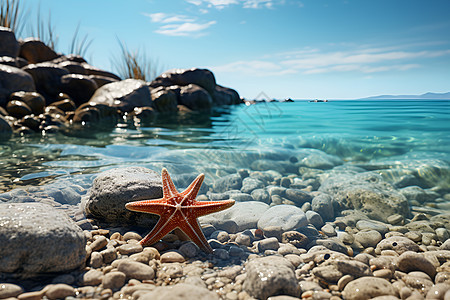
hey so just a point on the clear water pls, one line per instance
(230, 138)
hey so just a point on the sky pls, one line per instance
(308, 49)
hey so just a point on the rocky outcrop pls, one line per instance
(8, 46)
(13, 80)
(37, 239)
(35, 51)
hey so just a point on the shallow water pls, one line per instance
(231, 138)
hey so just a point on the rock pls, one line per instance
(366, 192)
(328, 230)
(412, 261)
(328, 273)
(124, 95)
(369, 238)
(195, 97)
(59, 291)
(367, 287)
(5, 128)
(96, 260)
(8, 290)
(171, 257)
(180, 291)
(34, 100)
(268, 244)
(189, 249)
(439, 291)
(47, 78)
(297, 196)
(322, 204)
(288, 217)
(418, 194)
(164, 100)
(12, 80)
(317, 159)
(114, 280)
(182, 77)
(35, 51)
(38, 239)
(92, 277)
(225, 96)
(295, 238)
(8, 43)
(229, 182)
(112, 189)
(353, 267)
(79, 87)
(399, 244)
(250, 184)
(261, 195)
(129, 249)
(99, 243)
(314, 218)
(372, 225)
(270, 276)
(244, 215)
(102, 80)
(136, 270)
(91, 70)
(72, 66)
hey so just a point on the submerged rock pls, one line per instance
(288, 217)
(37, 239)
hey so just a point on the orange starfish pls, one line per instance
(179, 210)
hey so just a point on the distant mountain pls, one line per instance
(426, 96)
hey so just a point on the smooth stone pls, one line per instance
(396, 219)
(221, 253)
(92, 277)
(109, 254)
(37, 239)
(442, 234)
(367, 287)
(261, 195)
(289, 217)
(96, 260)
(270, 276)
(250, 184)
(128, 249)
(14, 80)
(244, 239)
(136, 270)
(60, 291)
(229, 182)
(328, 230)
(333, 245)
(8, 290)
(322, 204)
(298, 196)
(112, 189)
(399, 244)
(328, 273)
(412, 261)
(372, 225)
(180, 291)
(114, 280)
(130, 235)
(189, 249)
(352, 267)
(368, 238)
(99, 243)
(439, 291)
(171, 257)
(314, 218)
(268, 244)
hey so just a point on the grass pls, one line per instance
(135, 64)
(79, 46)
(44, 30)
(12, 16)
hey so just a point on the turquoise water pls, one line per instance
(231, 138)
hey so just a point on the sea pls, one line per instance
(217, 143)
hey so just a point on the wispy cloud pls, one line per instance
(179, 25)
(315, 61)
(220, 4)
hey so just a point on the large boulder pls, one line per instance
(366, 192)
(38, 239)
(112, 189)
(201, 77)
(124, 95)
(8, 43)
(195, 97)
(91, 70)
(225, 96)
(47, 77)
(12, 80)
(164, 99)
(79, 87)
(35, 51)
(5, 128)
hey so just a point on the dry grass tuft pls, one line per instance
(11, 15)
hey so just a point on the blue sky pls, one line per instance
(334, 49)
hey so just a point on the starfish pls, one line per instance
(178, 210)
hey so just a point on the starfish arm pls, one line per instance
(156, 206)
(202, 208)
(169, 189)
(192, 190)
(161, 229)
(193, 230)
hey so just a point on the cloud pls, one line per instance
(179, 25)
(315, 61)
(220, 4)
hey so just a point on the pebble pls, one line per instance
(399, 244)
(59, 291)
(343, 281)
(439, 291)
(368, 238)
(108, 255)
(136, 270)
(442, 234)
(96, 260)
(99, 243)
(131, 235)
(372, 225)
(8, 290)
(367, 287)
(328, 230)
(314, 218)
(396, 219)
(412, 261)
(128, 249)
(244, 239)
(221, 254)
(189, 249)
(92, 277)
(114, 280)
(295, 238)
(289, 217)
(220, 235)
(268, 244)
(181, 291)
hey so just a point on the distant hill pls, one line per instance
(426, 96)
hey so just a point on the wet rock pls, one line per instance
(8, 290)
(268, 244)
(182, 77)
(102, 80)
(59, 291)
(261, 195)
(34, 100)
(72, 66)
(270, 276)
(295, 238)
(92, 277)
(317, 159)
(288, 217)
(399, 244)
(412, 261)
(164, 100)
(195, 97)
(418, 194)
(91, 70)
(171, 257)
(136, 270)
(5, 128)
(12, 80)
(112, 189)
(372, 225)
(79, 87)
(35, 51)
(189, 249)
(314, 218)
(124, 95)
(250, 184)
(47, 78)
(225, 96)
(367, 287)
(369, 238)
(297, 196)
(439, 291)
(38, 239)
(328, 230)
(181, 291)
(8, 43)
(322, 204)
(244, 215)
(114, 280)
(229, 182)
(129, 249)
(328, 273)
(366, 192)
